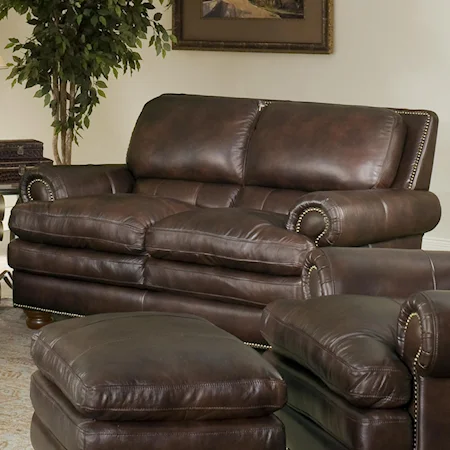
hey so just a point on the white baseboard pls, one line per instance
(440, 244)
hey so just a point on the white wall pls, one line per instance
(387, 53)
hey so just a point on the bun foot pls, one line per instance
(37, 319)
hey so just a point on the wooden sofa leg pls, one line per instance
(37, 319)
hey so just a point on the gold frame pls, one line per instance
(325, 46)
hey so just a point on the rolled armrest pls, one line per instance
(354, 218)
(48, 183)
(396, 273)
(423, 339)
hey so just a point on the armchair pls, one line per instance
(366, 354)
(218, 206)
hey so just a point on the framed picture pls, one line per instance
(295, 26)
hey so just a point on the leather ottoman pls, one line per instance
(151, 381)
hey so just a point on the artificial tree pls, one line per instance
(74, 47)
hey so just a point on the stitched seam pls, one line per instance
(197, 272)
(224, 238)
(388, 153)
(228, 258)
(370, 369)
(44, 233)
(93, 258)
(94, 219)
(329, 383)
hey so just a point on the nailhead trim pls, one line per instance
(258, 346)
(325, 217)
(415, 378)
(35, 308)
(423, 139)
(262, 105)
(47, 187)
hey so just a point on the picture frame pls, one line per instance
(312, 33)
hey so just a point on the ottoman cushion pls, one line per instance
(156, 366)
(57, 425)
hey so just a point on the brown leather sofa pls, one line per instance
(365, 355)
(218, 207)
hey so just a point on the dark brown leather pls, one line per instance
(46, 183)
(248, 240)
(416, 164)
(111, 223)
(313, 147)
(429, 333)
(83, 298)
(133, 366)
(268, 199)
(75, 432)
(346, 341)
(220, 283)
(188, 137)
(302, 433)
(374, 271)
(205, 195)
(355, 218)
(356, 428)
(79, 264)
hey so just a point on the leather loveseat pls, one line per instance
(218, 206)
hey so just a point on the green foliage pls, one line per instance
(74, 48)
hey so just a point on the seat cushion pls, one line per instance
(156, 366)
(112, 223)
(250, 240)
(347, 341)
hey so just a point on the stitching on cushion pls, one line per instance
(373, 369)
(228, 238)
(198, 272)
(94, 219)
(229, 258)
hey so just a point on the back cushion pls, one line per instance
(195, 138)
(312, 147)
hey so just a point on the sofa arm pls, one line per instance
(423, 336)
(48, 183)
(355, 218)
(396, 273)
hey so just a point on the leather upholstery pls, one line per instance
(220, 283)
(133, 366)
(355, 218)
(346, 341)
(253, 241)
(206, 138)
(331, 271)
(78, 264)
(56, 420)
(205, 195)
(424, 327)
(356, 428)
(44, 293)
(206, 153)
(111, 223)
(325, 147)
(42, 184)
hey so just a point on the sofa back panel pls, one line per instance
(191, 137)
(206, 195)
(268, 199)
(314, 147)
(417, 160)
